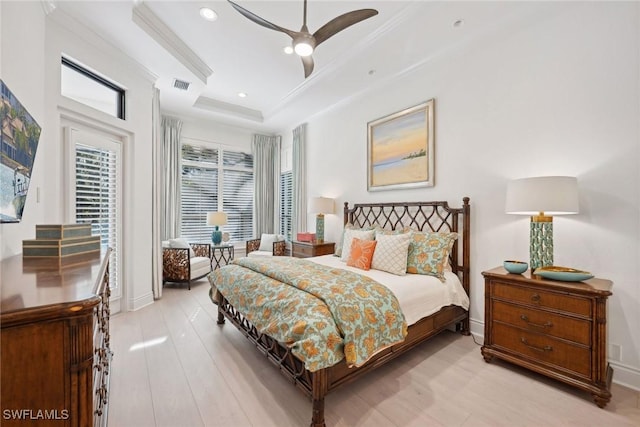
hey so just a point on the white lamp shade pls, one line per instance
(552, 195)
(216, 218)
(322, 205)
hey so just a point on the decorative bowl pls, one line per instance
(515, 267)
(564, 274)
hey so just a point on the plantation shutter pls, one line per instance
(237, 190)
(199, 191)
(96, 188)
(286, 204)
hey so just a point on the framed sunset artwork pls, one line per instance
(400, 149)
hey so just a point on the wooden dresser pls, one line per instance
(309, 249)
(54, 348)
(558, 329)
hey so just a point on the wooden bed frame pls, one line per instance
(427, 216)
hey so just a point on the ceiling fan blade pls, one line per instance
(255, 18)
(307, 63)
(341, 22)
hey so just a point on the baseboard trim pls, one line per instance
(140, 302)
(624, 375)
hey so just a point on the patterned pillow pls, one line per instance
(447, 265)
(429, 253)
(391, 253)
(348, 237)
(361, 253)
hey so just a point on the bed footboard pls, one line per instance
(316, 385)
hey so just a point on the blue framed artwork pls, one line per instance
(18, 145)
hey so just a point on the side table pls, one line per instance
(558, 329)
(221, 255)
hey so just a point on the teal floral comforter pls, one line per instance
(323, 314)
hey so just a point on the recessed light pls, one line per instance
(288, 50)
(459, 23)
(208, 14)
(242, 94)
(372, 72)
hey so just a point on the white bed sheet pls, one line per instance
(419, 295)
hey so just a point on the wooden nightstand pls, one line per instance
(308, 249)
(558, 329)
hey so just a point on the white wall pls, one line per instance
(558, 96)
(35, 79)
(23, 73)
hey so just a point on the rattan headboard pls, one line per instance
(425, 216)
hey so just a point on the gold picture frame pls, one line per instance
(400, 152)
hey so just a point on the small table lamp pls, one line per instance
(542, 197)
(320, 206)
(216, 219)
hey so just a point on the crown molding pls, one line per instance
(151, 24)
(70, 24)
(226, 108)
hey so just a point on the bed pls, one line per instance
(424, 216)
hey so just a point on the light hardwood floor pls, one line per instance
(173, 366)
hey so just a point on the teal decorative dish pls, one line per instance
(564, 274)
(515, 267)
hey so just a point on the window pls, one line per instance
(216, 179)
(199, 190)
(88, 88)
(97, 189)
(286, 204)
(237, 190)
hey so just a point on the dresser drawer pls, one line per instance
(543, 348)
(542, 299)
(577, 330)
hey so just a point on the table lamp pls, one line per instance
(216, 219)
(320, 206)
(542, 198)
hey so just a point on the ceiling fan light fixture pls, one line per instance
(303, 48)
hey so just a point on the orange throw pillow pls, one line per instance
(361, 253)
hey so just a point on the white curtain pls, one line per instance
(171, 177)
(156, 197)
(299, 212)
(266, 178)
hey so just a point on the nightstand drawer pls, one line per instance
(542, 299)
(543, 348)
(572, 329)
(302, 251)
(305, 250)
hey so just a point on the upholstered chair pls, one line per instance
(267, 245)
(183, 262)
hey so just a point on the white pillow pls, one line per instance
(267, 240)
(391, 253)
(348, 238)
(181, 243)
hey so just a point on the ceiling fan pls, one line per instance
(303, 41)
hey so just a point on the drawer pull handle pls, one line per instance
(546, 324)
(533, 347)
(535, 298)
